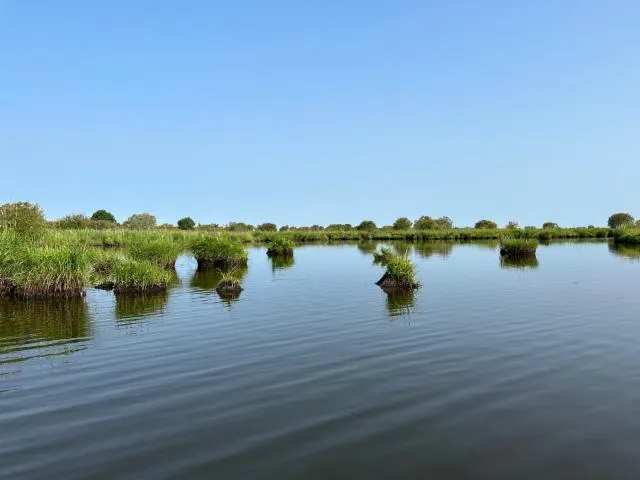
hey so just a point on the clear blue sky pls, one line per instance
(321, 111)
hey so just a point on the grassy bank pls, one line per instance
(515, 248)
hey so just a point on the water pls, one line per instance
(489, 371)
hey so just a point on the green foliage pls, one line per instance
(239, 227)
(485, 224)
(383, 256)
(627, 236)
(281, 247)
(518, 247)
(366, 226)
(131, 276)
(161, 251)
(103, 216)
(402, 223)
(131, 307)
(284, 228)
(140, 221)
(219, 252)
(76, 221)
(428, 223)
(186, 223)
(512, 225)
(549, 225)
(26, 219)
(267, 227)
(339, 227)
(620, 220)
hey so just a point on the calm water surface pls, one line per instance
(488, 371)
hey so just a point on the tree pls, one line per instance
(103, 215)
(550, 225)
(267, 227)
(140, 221)
(485, 224)
(367, 226)
(428, 223)
(339, 227)
(620, 220)
(239, 227)
(22, 217)
(285, 228)
(186, 223)
(512, 225)
(402, 223)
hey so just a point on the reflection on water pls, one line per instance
(43, 327)
(521, 263)
(400, 302)
(367, 247)
(429, 249)
(631, 252)
(280, 263)
(401, 249)
(136, 306)
(207, 281)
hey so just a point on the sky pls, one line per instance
(308, 112)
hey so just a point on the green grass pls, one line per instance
(162, 251)
(518, 247)
(134, 276)
(218, 252)
(627, 236)
(383, 256)
(48, 271)
(281, 247)
(399, 275)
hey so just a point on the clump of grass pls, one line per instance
(400, 274)
(218, 252)
(161, 251)
(280, 247)
(134, 276)
(627, 236)
(49, 271)
(383, 256)
(518, 247)
(229, 286)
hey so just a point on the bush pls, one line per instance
(140, 221)
(267, 227)
(402, 223)
(428, 223)
(76, 221)
(366, 226)
(620, 220)
(186, 223)
(339, 227)
(24, 218)
(512, 225)
(239, 227)
(548, 225)
(104, 216)
(485, 224)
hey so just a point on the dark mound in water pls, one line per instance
(220, 264)
(228, 288)
(391, 283)
(133, 289)
(105, 286)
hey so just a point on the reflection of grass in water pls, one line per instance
(367, 247)
(209, 279)
(135, 305)
(401, 249)
(521, 263)
(631, 252)
(428, 249)
(279, 263)
(400, 302)
(25, 324)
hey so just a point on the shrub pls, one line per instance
(518, 247)
(402, 223)
(76, 221)
(512, 225)
(24, 218)
(548, 225)
(620, 220)
(366, 226)
(339, 227)
(281, 247)
(103, 215)
(140, 221)
(485, 224)
(267, 227)
(186, 223)
(239, 227)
